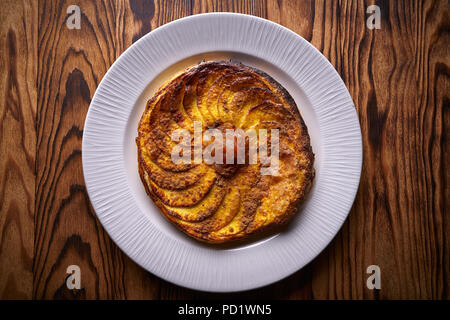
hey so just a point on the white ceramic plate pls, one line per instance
(110, 160)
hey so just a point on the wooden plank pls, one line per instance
(18, 66)
(71, 65)
(398, 77)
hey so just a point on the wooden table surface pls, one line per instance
(398, 77)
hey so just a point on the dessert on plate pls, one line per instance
(224, 152)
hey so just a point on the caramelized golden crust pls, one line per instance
(220, 203)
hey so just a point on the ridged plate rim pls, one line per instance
(184, 263)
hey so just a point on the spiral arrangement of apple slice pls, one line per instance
(218, 203)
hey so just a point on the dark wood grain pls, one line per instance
(18, 43)
(71, 64)
(399, 80)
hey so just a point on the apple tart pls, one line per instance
(239, 193)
